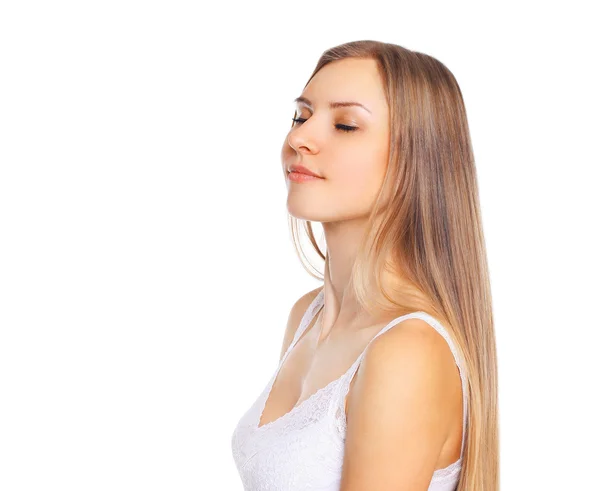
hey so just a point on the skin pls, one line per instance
(404, 407)
(352, 164)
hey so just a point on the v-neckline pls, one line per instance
(311, 312)
(295, 408)
(309, 315)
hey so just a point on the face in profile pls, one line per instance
(346, 145)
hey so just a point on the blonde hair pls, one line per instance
(425, 233)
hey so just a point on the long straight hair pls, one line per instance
(425, 233)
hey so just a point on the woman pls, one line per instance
(387, 378)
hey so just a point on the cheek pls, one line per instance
(359, 175)
(351, 189)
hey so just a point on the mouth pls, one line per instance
(300, 177)
(299, 169)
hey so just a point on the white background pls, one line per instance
(146, 266)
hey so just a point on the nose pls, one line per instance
(300, 141)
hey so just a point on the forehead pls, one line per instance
(351, 79)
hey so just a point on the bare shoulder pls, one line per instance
(398, 410)
(412, 349)
(296, 312)
(416, 340)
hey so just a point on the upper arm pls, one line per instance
(296, 313)
(398, 418)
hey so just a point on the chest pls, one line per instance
(311, 366)
(302, 449)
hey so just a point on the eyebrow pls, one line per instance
(333, 104)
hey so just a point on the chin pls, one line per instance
(303, 210)
(303, 215)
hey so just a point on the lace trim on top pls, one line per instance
(340, 386)
(330, 399)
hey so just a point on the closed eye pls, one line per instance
(341, 127)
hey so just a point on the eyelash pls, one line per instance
(341, 127)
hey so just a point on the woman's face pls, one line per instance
(348, 146)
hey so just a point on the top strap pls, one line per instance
(345, 385)
(307, 318)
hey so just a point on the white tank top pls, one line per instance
(304, 448)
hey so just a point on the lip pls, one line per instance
(299, 177)
(300, 169)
